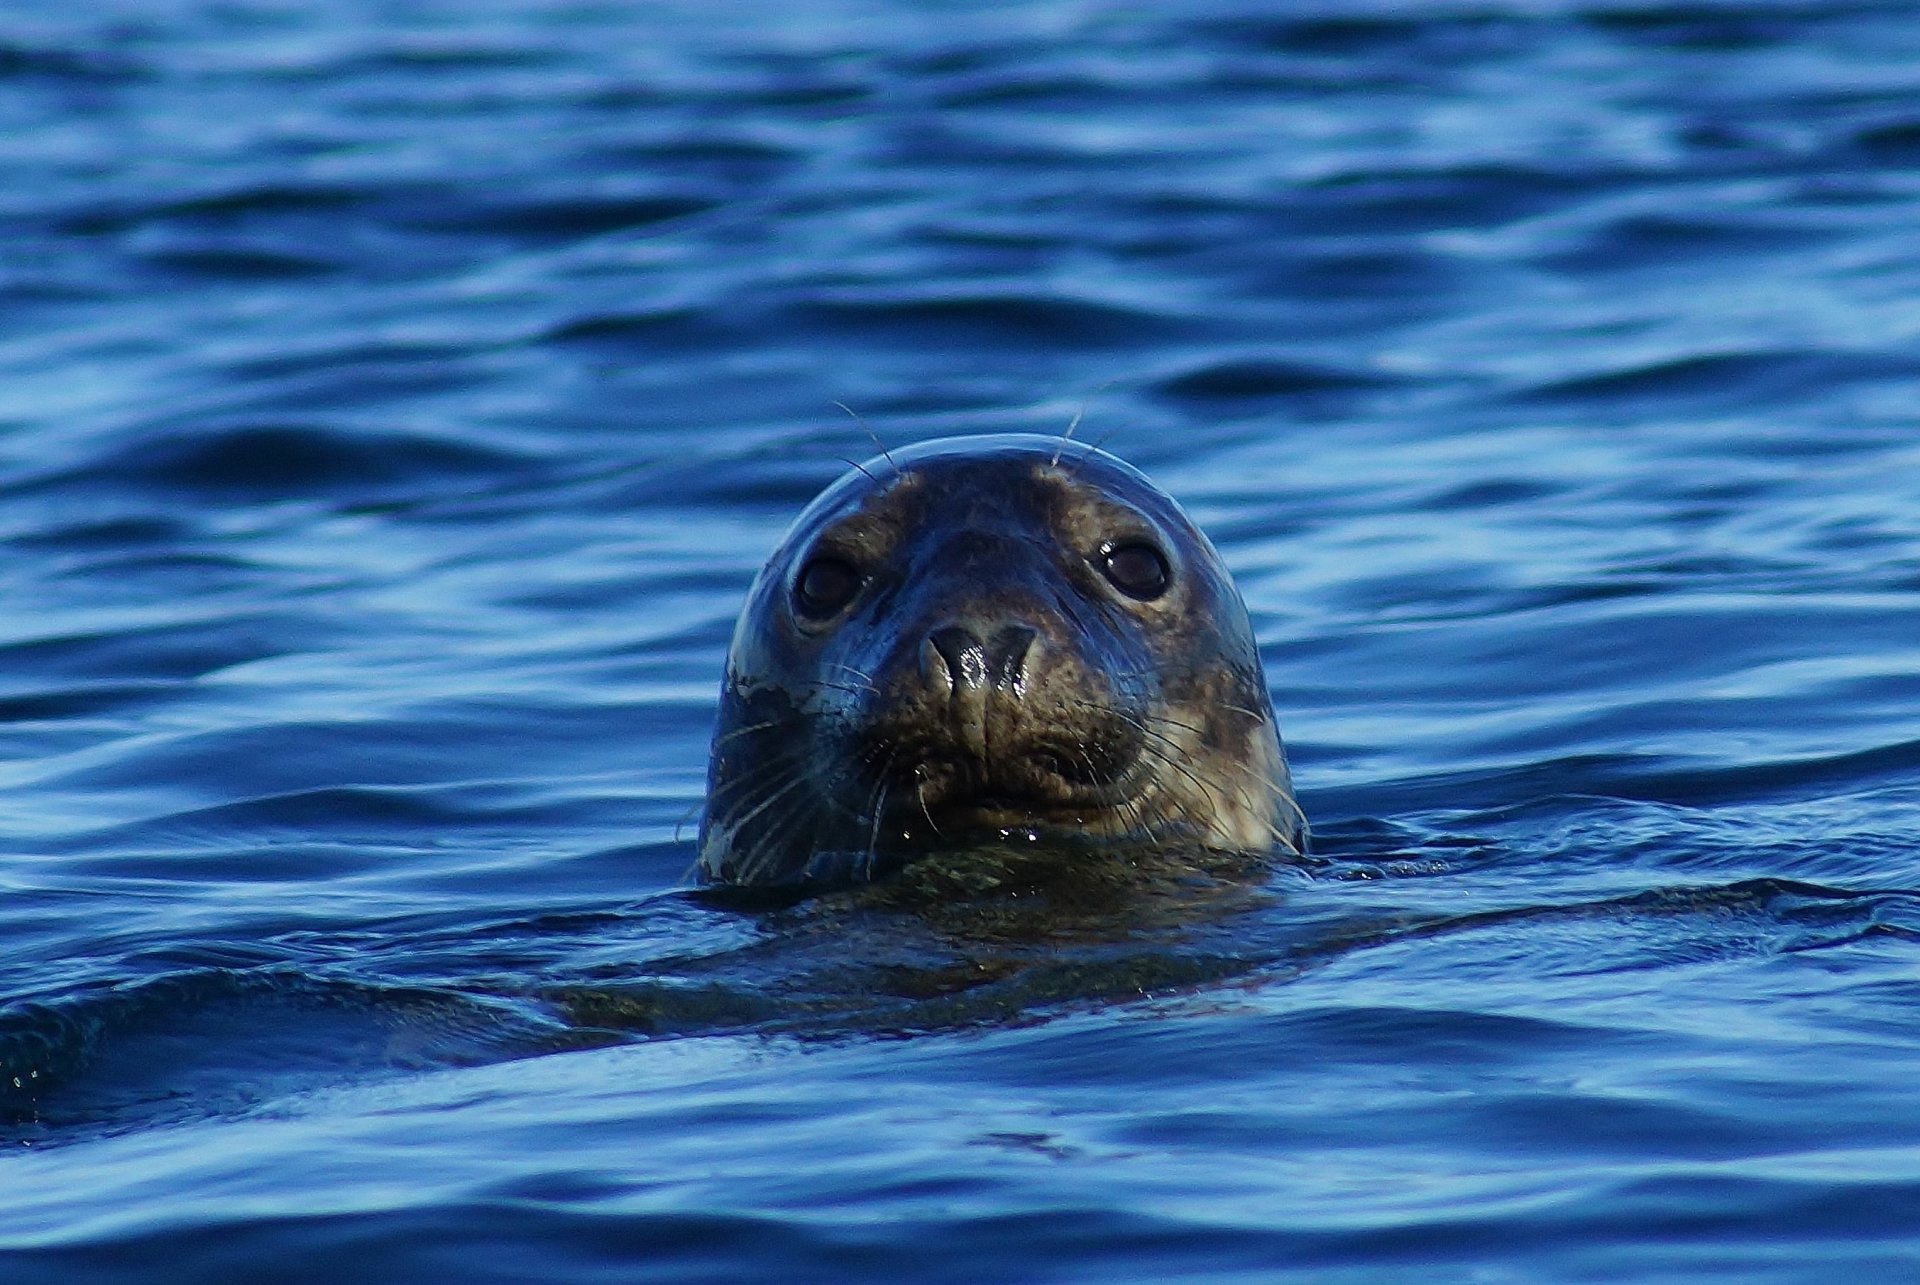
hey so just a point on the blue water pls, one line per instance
(397, 398)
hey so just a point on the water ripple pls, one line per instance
(397, 406)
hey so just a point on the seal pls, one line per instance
(989, 640)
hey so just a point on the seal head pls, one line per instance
(989, 640)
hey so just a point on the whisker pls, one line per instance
(762, 853)
(685, 817)
(1161, 749)
(864, 683)
(920, 788)
(737, 732)
(884, 453)
(1078, 415)
(737, 820)
(759, 774)
(879, 810)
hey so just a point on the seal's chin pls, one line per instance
(989, 821)
(990, 816)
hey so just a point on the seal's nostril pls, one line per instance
(1011, 648)
(964, 657)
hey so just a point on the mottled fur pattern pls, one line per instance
(989, 680)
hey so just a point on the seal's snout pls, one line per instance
(971, 674)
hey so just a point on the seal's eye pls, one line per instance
(825, 585)
(1136, 569)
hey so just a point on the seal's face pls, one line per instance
(992, 638)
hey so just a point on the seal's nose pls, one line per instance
(973, 665)
(974, 676)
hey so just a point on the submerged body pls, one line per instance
(989, 640)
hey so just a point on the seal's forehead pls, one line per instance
(1005, 454)
(999, 469)
(1004, 481)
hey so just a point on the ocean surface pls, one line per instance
(397, 397)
